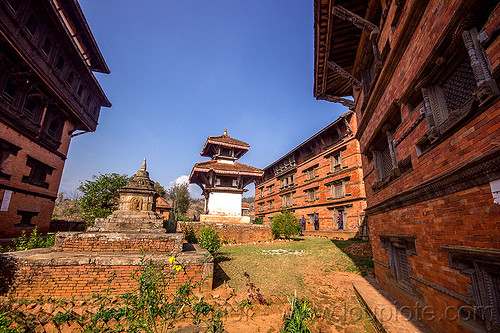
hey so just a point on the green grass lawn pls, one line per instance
(279, 269)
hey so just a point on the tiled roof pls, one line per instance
(229, 169)
(162, 203)
(224, 140)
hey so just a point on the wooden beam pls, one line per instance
(335, 99)
(357, 20)
(336, 68)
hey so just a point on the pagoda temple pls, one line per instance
(223, 180)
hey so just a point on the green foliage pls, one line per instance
(300, 312)
(185, 219)
(160, 190)
(258, 220)
(63, 317)
(153, 308)
(179, 195)
(100, 195)
(209, 239)
(248, 200)
(285, 225)
(6, 322)
(189, 234)
(34, 241)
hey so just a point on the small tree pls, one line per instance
(179, 194)
(100, 195)
(160, 190)
(285, 225)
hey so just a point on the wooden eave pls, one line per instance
(336, 122)
(335, 40)
(73, 12)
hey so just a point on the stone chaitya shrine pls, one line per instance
(83, 263)
(223, 180)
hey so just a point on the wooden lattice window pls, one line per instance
(335, 162)
(287, 200)
(338, 189)
(311, 174)
(385, 157)
(311, 194)
(399, 249)
(9, 92)
(38, 173)
(26, 218)
(483, 267)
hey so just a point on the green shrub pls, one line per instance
(209, 239)
(185, 219)
(34, 241)
(189, 234)
(258, 220)
(285, 225)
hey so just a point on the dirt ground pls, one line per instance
(320, 270)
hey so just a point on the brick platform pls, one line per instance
(119, 242)
(42, 272)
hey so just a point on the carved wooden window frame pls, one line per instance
(379, 155)
(399, 249)
(440, 118)
(336, 162)
(483, 267)
(38, 173)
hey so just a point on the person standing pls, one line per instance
(302, 225)
(340, 222)
(316, 221)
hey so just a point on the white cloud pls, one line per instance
(182, 180)
(194, 189)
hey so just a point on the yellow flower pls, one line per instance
(177, 267)
(172, 259)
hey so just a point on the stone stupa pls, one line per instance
(136, 211)
(108, 254)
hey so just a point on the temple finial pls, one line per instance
(143, 166)
(225, 131)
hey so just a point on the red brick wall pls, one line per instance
(235, 232)
(16, 167)
(32, 282)
(354, 188)
(467, 218)
(118, 244)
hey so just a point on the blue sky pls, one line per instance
(184, 70)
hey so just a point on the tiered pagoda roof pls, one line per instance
(225, 141)
(224, 169)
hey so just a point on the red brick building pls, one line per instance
(48, 94)
(321, 175)
(424, 77)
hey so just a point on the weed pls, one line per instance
(34, 241)
(254, 293)
(300, 312)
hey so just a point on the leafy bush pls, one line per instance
(209, 239)
(300, 312)
(189, 234)
(100, 195)
(34, 241)
(185, 219)
(258, 220)
(285, 225)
